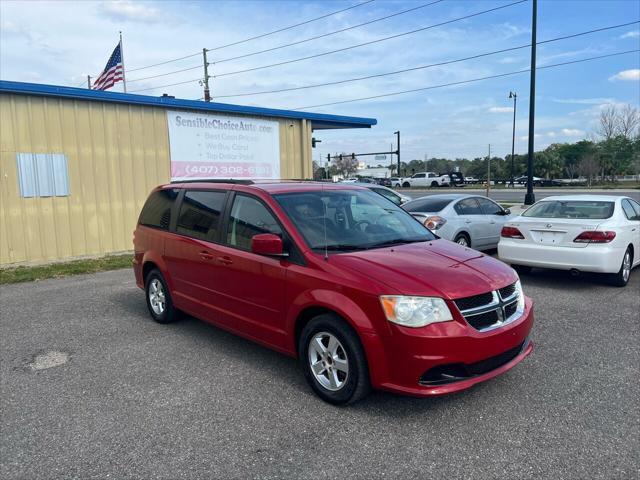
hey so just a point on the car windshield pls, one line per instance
(427, 204)
(347, 220)
(580, 209)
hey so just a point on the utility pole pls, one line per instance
(89, 82)
(530, 198)
(398, 151)
(207, 93)
(513, 136)
(489, 170)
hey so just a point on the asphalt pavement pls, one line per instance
(91, 387)
(516, 195)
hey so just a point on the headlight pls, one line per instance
(520, 296)
(415, 311)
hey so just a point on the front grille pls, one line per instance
(455, 372)
(474, 302)
(483, 320)
(489, 310)
(506, 292)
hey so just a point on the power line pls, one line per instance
(164, 74)
(432, 87)
(369, 43)
(422, 67)
(328, 34)
(162, 86)
(255, 37)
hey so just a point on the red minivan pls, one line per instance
(336, 276)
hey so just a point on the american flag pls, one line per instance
(113, 72)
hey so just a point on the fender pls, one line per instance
(352, 314)
(157, 258)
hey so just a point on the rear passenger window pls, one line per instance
(249, 217)
(157, 210)
(468, 206)
(628, 210)
(200, 214)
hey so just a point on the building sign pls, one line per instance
(217, 146)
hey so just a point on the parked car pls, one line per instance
(588, 233)
(455, 178)
(387, 193)
(335, 276)
(469, 220)
(385, 182)
(396, 182)
(426, 179)
(523, 180)
(471, 180)
(367, 180)
(349, 180)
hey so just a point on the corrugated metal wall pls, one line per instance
(116, 154)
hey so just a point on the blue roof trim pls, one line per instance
(318, 119)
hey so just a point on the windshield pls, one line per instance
(344, 220)
(580, 209)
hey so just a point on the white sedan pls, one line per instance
(590, 233)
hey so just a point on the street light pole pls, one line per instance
(398, 151)
(513, 136)
(530, 198)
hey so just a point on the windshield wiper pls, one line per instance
(397, 241)
(340, 247)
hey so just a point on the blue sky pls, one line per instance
(65, 41)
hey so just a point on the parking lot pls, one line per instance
(132, 398)
(516, 195)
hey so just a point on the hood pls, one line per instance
(438, 268)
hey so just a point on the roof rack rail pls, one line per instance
(215, 180)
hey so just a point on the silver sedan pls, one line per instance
(469, 220)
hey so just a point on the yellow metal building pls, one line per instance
(114, 148)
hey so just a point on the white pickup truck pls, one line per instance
(426, 179)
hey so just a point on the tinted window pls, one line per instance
(489, 207)
(628, 210)
(583, 209)
(200, 214)
(468, 206)
(157, 211)
(419, 175)
(427, 204)
(249, 217)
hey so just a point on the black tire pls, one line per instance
(463, 237)
(169, 313)
(406, 185)
(434, 184)
(356, 384)
(621, 279)
(524, 269)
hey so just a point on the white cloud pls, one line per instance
(626, 75)
(584, 101)
(126, 10)
(631, 34)
(572, 132)
(501, 109)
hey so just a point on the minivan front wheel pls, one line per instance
(159, 300)
(333, 360)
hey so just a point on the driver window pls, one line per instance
(249, 217)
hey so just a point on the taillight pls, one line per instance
(511, 232)
(595, 236)
(434, 222)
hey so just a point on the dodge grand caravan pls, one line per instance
(336, 276)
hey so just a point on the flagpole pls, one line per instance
(124, 79)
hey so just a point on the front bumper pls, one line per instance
(599, 258)
(410, 354)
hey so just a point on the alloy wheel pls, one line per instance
(328, 361)
(626, 266)
(462, 241)
(157, 297)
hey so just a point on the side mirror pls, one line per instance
(268, 244)
(507, 211)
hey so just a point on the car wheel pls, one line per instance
(333, 360)
(159, 300)
(463, 239)
(434, 184)
(406, 185)
(621, 278)
(522, 268)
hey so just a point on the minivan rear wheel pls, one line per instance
(159, 300)
(333, 360)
